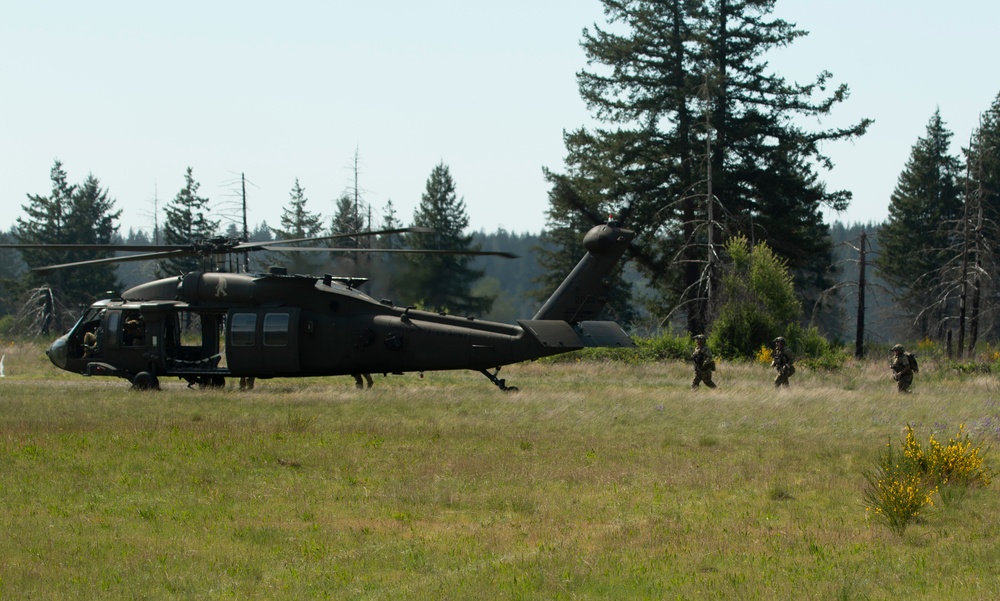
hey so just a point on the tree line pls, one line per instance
(86, 214)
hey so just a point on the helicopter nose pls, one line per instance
(58, 353)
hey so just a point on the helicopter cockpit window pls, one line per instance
(243, 329)
(88, 335)
(114, 319)
(276, 329)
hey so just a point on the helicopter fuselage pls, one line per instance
(206, 326)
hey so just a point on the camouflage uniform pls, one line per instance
(783, 362)
(703, 363)
(902, 373)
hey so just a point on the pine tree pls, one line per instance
(92, 220)
(71, 214)
(982, 188)
(187, 222)
(445, 281)
(349, 221)
(390, 221)
(46, 224)
(917, 239)
(298, 222)
(693, 121)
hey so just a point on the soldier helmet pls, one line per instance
(898, 347)
(780, 339)
(699, 337)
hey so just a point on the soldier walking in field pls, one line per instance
(782, 361)
(903, 365)
(704, 364)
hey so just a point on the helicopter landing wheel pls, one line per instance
(145, 381)
(499, 382)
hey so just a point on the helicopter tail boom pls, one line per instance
(558, 334)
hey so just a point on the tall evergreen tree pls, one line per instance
(45, 223)
(390, 221)
(296, 219)
(443, 282)
(71, 214)
(348, 220)
(695, 122)
(92, 220)
(298, 222)
(982, 188)
(917, 239)
(187, 222)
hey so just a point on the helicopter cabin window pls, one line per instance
(244, 329)
(276, 329)
(134, 329)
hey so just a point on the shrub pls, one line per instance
(815, 350)
(901, 484)
(896, 491)
(665, 346)
(758, 300)
(958, 463)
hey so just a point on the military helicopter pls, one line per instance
(205, 326)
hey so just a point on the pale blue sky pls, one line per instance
(135, 93)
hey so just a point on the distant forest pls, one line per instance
(519, 291)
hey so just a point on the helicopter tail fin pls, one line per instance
(583, 294)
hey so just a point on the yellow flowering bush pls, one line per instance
(896, 492)
(959, 462)
(765, 355)
(901, 484)
(927, 346)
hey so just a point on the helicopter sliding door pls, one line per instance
(263, 342)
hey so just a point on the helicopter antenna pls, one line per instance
(156, 213)
(246, 232)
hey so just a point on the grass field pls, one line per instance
(596, 481)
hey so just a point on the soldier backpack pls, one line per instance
(913, 362)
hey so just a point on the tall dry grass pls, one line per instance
(597, 480)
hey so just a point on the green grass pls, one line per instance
(597, 480)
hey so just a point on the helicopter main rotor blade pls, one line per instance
(474, 253)
(141, 257)
(104, 247)
(266, 244)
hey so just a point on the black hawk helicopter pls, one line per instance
(206, 326)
